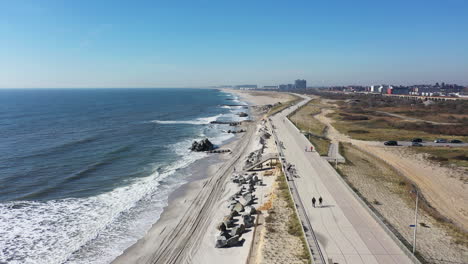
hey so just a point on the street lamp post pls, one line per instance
(415, 220)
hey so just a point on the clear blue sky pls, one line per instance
(197, 43)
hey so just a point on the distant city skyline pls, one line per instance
(123, 44)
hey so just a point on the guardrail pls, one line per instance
(252, 244)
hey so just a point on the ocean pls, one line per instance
(84, 173)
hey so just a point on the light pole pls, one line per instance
(415, 220)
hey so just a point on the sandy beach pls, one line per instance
(186, 230)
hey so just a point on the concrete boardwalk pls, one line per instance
(346, 231)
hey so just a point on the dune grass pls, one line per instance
(281, 106)
(377, 128)
(305, 121)
(294, 225)
(446, 156)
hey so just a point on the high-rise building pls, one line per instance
(300, 84)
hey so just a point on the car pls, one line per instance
(416, 144)
(391, 143)
(440, 140)
(456, 141)
(417, 140)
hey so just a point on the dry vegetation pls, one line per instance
(358, 116)
(446, 156)
(388, 193)
(315, 130)
(368, 125)
(284, 239)
(451, 111)
(278, 107)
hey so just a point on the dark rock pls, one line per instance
(222, 227)
(203, 145)
(238, 230)
(242, 114)
(248, 220)
(233, 241)
(221, 241)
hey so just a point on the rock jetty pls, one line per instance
(236, 131)
(202, 145)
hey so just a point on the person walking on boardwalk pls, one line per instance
(313, 201)
(320, 201)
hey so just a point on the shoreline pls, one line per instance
(185, 229)
(179, 200)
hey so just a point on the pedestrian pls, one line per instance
(320, 201)
(306, 149)
(313, 201)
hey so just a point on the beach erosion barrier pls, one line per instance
(219, 151)
(242, 215)
(241, 203)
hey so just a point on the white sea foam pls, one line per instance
(198, 121)
(87, 230)
(221, 138)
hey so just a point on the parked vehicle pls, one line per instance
(417, 140)
(416, 144)
(440, 140)
(391, 143)
(456, 141)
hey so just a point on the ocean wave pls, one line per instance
(56, 149)
(198, 121)
(84, 172)
(56, 231)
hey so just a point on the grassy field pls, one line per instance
(446, 156)
(280, 107)
(423, 114)
(305, 122)
(378, 128)
(436, 111)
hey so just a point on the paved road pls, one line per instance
(432, 144)
(346, 231)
